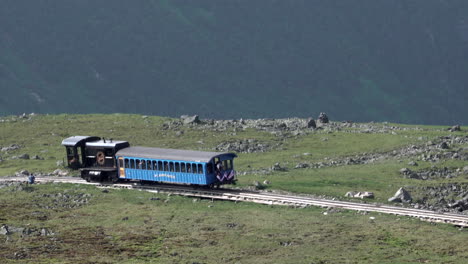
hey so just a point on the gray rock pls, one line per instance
(406, 171)
(323, 118)
(277, 167)
(362, 195)
(60, 172)
(302, 166)
(413, 163)
(36, 157)
(11, 147)
(455, 128)
(401, 196)
(190, 119)
(311, 123)
(23, 156)
(59, 163)
(444, 145)
(22, 173)
(4, 230)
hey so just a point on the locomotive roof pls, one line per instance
(106, 143)
(171, 154)
(76, 140)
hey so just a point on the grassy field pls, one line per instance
(137, 227)
(129, 227)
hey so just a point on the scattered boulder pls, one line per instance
(36, 157)
(444, 145)
(460, 205)
(302, 165)
(311, 123)
(266, 182)
(190, 119)
(11, 147)
(244, 146)
(407, 173)
(413, 163)
(277, 167)
(4, 230)
(22, 156)
(362, 195)
(454, 128)
(323, 118)
(22, 173)
(401, 196)
(60, 172)
(59, 163)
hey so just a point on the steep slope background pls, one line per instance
(403, 61)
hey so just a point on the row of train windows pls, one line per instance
(162, 166)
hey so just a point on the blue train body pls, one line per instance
(115, 160)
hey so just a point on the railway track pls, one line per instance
(265, 198)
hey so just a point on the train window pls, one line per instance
(148, 165)
(121, 163)
(109, 152)
(160, 166)
(209, 168)
(70, 151)
(166, 166)
(171, 166)
(154, 165)
(227, 164)
(127, 164)
(189, 167)
(177, 167)
(182, 167)
(132, 163)
(200, 169)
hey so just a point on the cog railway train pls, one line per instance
(100, 160)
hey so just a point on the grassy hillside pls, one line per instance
(71, 223)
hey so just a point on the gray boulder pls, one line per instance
(455, 128)
(60, 172)
(190, 119)
(277, 167)
(362, 195)
(4, 230)
(311, 123)
(11, 147)
(323, 118)
(401, 196)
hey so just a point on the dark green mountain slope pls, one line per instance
(402, 61)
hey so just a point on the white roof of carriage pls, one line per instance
(171, 154)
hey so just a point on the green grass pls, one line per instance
(127, 227)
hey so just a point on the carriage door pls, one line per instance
(121, 168)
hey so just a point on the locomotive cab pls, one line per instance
(75, 147)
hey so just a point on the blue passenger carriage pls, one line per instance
(176, 166)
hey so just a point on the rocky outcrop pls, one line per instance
(362, 195)
(190, 119)
(244, 146)
(401, 196)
